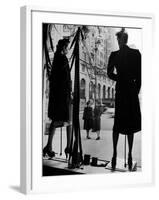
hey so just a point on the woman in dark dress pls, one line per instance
(59, 96)
(127, 121)
(88, 117)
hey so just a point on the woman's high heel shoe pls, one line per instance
(130, 162)
(45, 151)
(67, 152)
(49, 152)
(113, 163)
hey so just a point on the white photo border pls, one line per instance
(31, 100)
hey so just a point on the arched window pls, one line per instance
(82, 88)
(112, 93)
(91, 90)
(83, 68)
(108, 92)
(104, 92)
(99, 91)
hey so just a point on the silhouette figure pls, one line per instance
(60, 96)
(127, 120)
(97, 118)
(88, 118)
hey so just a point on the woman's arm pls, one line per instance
(110, 69)
(138, 72)
(84, 114)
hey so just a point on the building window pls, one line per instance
(92, 55)
(83, 68)
(82, 89)
(84, 56)
(112, 93)
(104, 92)
(99, 91)
(101, 63)
(91, 90)
(97, 61)
(108, 92)
(101, 55)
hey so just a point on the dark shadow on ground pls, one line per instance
(51, 171)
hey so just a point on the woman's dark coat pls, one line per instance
(127, 63)
(97, 118)
(60, 89)
(88, 118)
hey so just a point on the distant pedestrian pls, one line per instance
(97, 119)
(88, 118)
(127, 120)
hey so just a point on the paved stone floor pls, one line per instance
(102, 149)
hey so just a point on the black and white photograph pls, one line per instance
(91, 99)
(79, 100)
(87, 102)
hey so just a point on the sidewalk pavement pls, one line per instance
(102, 148)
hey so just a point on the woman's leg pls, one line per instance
(130, 143)
(87, 132)
(69, 128)
(115, 142)
(69, 135)
(98, 135)
(48, 148)
(68, 132)
(50, 137)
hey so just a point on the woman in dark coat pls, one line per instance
(88, 117)
(127, 121)
(60, 95)
(97, 119)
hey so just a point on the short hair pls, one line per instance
(62, 43)
(88, 102)
(122, 35)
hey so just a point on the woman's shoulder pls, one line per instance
(60, 61)
(114, 52)
(88, 108)
(60, 57)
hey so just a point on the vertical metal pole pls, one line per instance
(125, 153)
(76, 145)
(95, 73)
(60, 141)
